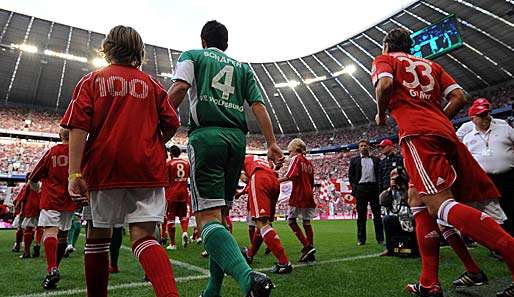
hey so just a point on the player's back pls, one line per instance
(52, 170)
(419, 87)
(219, 88)
(123, 110)
(253, 163)
(301, 173)
(178, 172)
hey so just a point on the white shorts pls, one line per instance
(491, 208)
(16, 223)
(55, 218)
(250, 221)
(118, 206)
(305, 213)
(86, 216)
(30, 222)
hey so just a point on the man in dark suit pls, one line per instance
(363, 175)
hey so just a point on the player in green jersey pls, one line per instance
(218, 88)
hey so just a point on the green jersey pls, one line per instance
(219, 87)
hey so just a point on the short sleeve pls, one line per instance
(447, 83)
(294, 168)
(381, 67)
(168, 118)
(185, 69)
(80, 111)
(252, 94)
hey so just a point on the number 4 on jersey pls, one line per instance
(226, 87)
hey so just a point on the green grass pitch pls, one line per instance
(342, 268)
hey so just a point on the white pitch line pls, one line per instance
(188, 278)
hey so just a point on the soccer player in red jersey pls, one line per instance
(301, 202)
(29, 198)
(440, 167)
(120, 119)
(16, 223)
(56, 206)
(263, 190)
(177, 196)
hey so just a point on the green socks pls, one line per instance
(215, 280)
(224, 251)
(74, 233)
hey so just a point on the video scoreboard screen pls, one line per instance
(437, 39)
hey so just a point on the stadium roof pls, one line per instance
(328, 90)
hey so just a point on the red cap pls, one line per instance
(385, 142)
(477, 109)
(481, 101)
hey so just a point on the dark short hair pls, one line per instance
(215, 34)
(363, 140)
(123, 45)
(175, 151)
(398, 40)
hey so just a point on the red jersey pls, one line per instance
(301, 173)
(178, 173)
(30, 200)
(418, 89)
(253, 163)
(52, 170)
(124, 111)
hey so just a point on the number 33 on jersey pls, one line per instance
(219, 87)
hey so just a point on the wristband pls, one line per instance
(74, 176)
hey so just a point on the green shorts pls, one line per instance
(216, 155)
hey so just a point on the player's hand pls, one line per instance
(380, 119)
(78, 190)
(275, 155)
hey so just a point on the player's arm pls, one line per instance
(456, 102)
(40, 170)
(382, 78)
(183, 78)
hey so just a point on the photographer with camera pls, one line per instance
(398, 218)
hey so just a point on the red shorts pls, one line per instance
(435, 164)
(263, 193)
(176, 209)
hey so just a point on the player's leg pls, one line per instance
(150, 206)
(164, 231)
(427, 235)
(216, 157)
(28, 236)
(183, 220)
(171, 232)
(473, 276)
(309, 250)
(98, 239)
(19, 233)
(309, 232)
(291, 221)
(37, 241)
(73, 235)
(114, 248)
(273, 242)
(256, 201)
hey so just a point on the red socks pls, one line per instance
(309, 232)
(459, 247)
(427, 234)
(251, 232)
(299, 234)
(256, 244)
(19, 235)
(96, 264)
(28, 235)
(39, 235)
(171, 232)
(156, 265)
(50, 243)
(480, 227)
(274, 244)
(184, 224)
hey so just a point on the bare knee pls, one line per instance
(207, 216)
(141, 230)
(262, 222)
(434, 202)
(97, 233)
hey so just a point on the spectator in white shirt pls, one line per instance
(467, 127)
(491, 143)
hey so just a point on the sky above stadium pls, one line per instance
(259, 31)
